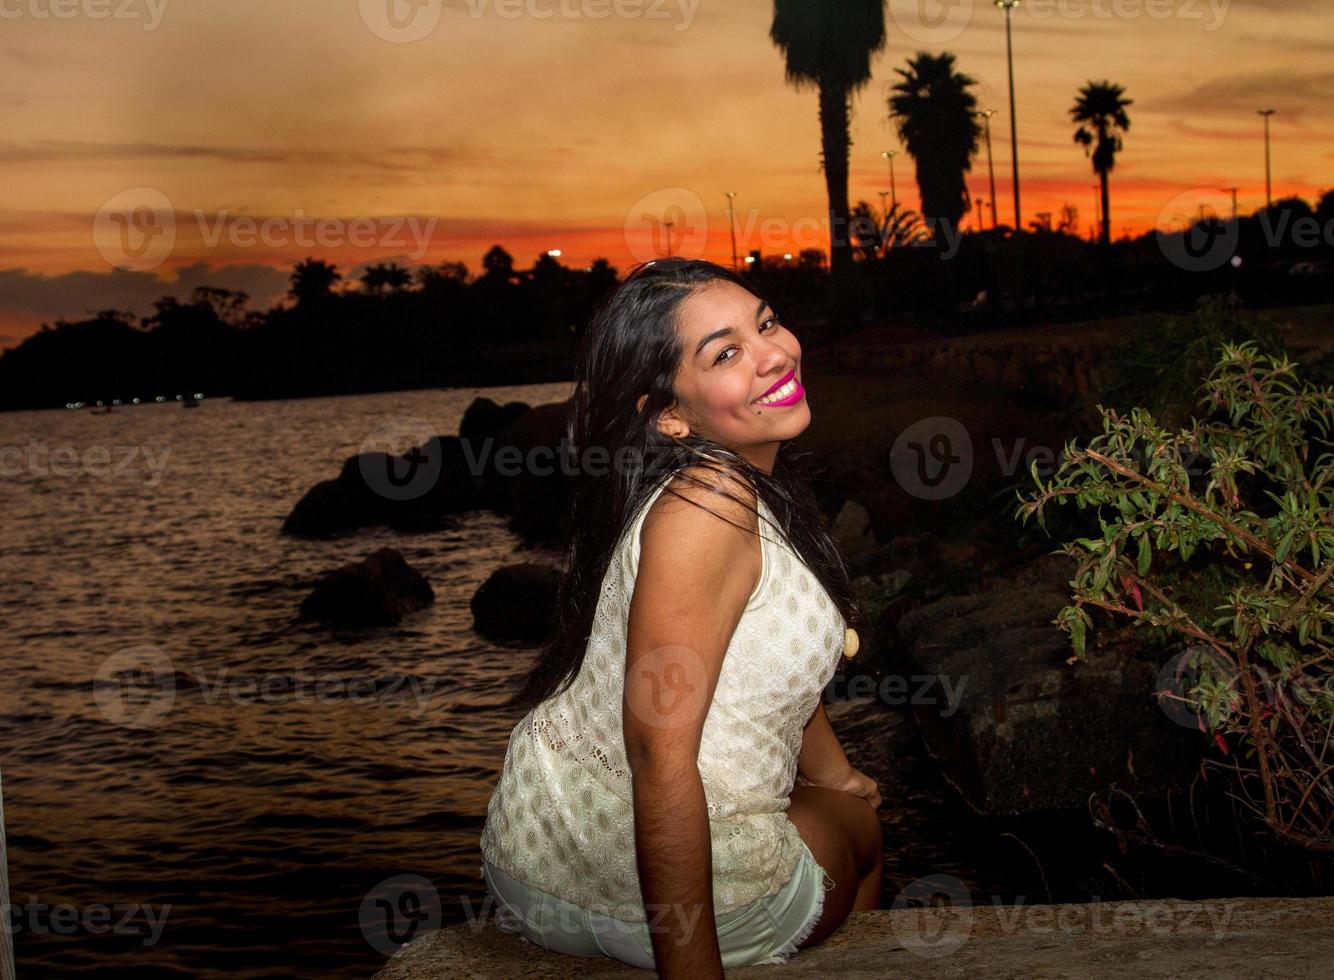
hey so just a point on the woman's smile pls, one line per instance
(787, 390)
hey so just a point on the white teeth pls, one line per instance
(780, 394)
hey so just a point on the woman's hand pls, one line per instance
(857, 783)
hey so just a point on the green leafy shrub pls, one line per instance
(1157, 367)
(1222, 534)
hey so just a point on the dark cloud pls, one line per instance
(408, 159)
(1240, 95)
(38, 298)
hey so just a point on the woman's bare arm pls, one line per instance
(696, 573)
(821, 759)
(822, 762)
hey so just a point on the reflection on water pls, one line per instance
(257, 811)
(293, 768)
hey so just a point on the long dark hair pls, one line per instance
(632, 348)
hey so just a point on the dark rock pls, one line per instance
(852, 530)
(377, 591)
(1023, 730)
(885, 597)
(411, 492)
(327, 508)
(485, 418)
(517, 602)
(534, 490)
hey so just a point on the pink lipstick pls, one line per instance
(794, 395)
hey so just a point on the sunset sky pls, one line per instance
(538, 125)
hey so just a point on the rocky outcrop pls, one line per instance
(505, 458)
(516, 602)
(1013, 726)
(1245, 937)
(416, 491)
(378, 591)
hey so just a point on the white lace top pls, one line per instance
(561, 818)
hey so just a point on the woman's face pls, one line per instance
(736, 357)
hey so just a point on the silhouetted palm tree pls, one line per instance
(875, 235)
(1101, 114)
(830, 46)
(313, 280)
(936, 118)
(377, 278)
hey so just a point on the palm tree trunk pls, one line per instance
(1106, 214)
(844, 304)
(836, 143)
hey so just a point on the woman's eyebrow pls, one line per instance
(726, 331)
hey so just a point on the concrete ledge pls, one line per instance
(1245, 937)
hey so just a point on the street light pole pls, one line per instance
(893, 190)
(991, 170)
(1269, 191)
(1233, 192)
(731, 225)
(1008, 6)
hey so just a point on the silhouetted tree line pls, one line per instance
(1283, 255)
(392, 328)
(395, 328)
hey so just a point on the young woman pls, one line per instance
(648, 808)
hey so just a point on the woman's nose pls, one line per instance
(773, 357)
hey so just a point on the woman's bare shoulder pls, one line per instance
(706, 496)
(698, 531)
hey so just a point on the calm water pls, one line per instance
(244, 825)
(252, 801)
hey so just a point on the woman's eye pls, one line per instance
(722, 360)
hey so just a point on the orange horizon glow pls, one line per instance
(542, 132)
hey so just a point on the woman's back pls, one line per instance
(561, 817)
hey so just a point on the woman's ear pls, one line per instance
(669, 422)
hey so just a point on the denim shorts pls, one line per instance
(767, 930)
